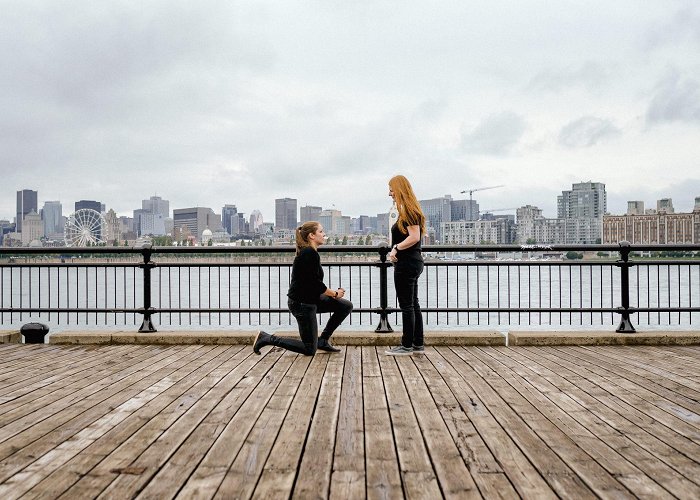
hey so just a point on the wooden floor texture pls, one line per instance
(205, 421)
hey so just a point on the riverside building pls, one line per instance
(653, 227)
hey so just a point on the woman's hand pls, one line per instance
(392, 254)
(340, 293)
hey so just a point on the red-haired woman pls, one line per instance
(406, 235)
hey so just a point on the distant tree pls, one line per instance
(337, 241)
(531, 241)
(262, 242)
(571, 255)
(360, 241)
(345, 240)
(210, 243)
(368, 240)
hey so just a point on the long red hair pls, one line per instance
(410, 211)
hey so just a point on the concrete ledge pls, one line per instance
(239, 337)
(10, 337)
(521, 338)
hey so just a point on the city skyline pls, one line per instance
(325, 101)
(684, 206)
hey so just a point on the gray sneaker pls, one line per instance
(418, 348)
(399, 350)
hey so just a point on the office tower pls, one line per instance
(227, 214)
(308, 213)
(437, 211)
(157, 205)
(664, 205)
(196, 220)
(464, 210)
(256, 221)
(32, 228)
(697, 203)
(285, 214)
(89, 204)
(52, 215)
(635, 208)
(582, 209)
(26, 202)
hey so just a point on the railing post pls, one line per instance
(147, 325)
(625, 325)
(384, 326)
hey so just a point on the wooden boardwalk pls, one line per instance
(205, 421)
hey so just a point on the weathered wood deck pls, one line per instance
(206, 421)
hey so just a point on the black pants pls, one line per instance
(305, 315)
(406, 284)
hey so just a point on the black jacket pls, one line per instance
(306, 284)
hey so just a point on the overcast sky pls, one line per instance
(213, 102)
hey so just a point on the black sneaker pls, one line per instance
(325, 345)
(418, 348)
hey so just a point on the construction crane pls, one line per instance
(470, 191)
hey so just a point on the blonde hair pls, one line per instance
(303, 232)
(410, 212)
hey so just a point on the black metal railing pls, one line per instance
(480, 285)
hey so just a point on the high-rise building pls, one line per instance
(157, 205)
(90, 204)
(27, 200)
(532, 227)
(664, 205)
(308, 213)
(52, 215)
(437, 211)
(285, 214)
(582, 209)
(635, 208)
(496, 231)
(113, 235)
(196, 220)
(32, 228)
(464, 210)
(227, 214)
(256, 222)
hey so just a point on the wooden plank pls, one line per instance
(665, 444)
(209, 369)
(569, 438)
(71, 413)
(594, 415)
(245, 466)
(417, 473)
(645, 394)
(314, 472)
(348, 476)
(47, 376)
(524, 457)
(71, 384)
(91, 425)
(245, 471)
(277, 479)
(483, 466)
(210, 435)
(382, 474)
(451, 471)
(214, 389)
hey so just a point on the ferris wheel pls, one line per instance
(85, 227)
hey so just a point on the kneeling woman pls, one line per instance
(309, 296)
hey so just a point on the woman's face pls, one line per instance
(319, 237)
(391, 193)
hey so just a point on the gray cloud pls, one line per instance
(495, 135)
(591, 75)
(675, 99)
(587, 131)
(683, 27)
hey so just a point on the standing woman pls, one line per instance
(406, 235)
(309, 296)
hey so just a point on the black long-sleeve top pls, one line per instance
(306, 284)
